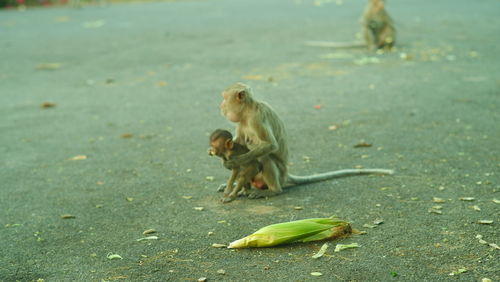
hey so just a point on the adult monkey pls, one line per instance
(378, 27)
(262, 131)
(379, 31)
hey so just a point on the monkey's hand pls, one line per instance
(228, 165)
(234, 162)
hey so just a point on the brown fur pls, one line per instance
(223, 146)
(378, 27)
(262, 131)
(378, 30)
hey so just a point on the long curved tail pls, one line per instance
(296, 180)
(330, 44)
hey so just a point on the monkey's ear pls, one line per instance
(241, 95)
(229, 144)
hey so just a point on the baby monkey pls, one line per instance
(223, 146)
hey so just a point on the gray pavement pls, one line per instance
(136, 89)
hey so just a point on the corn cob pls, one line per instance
(306, 230)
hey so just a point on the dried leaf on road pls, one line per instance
(435, 211)
(46, 105)
(467, 199)
(341, 247)
(363, 145)
(49, 66)
(458, 271)
(149, 231)
(113, 256)
(147, 238)
(221, 271)
(333, 127)
(438, 200)
(485, 221)
(78, 158)
(321, 251)
(494, 246)
(216, 245)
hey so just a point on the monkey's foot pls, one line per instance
(226, 200)
(243, 193)
(256, 194)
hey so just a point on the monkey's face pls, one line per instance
(377, 5)
(230, 107)
(217, 148)
(220, 147)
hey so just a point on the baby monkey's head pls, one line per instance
(221, 142)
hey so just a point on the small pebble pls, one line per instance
(221, 271)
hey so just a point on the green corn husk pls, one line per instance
(306, 230)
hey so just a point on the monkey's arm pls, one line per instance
(265, 145)
(227, 165)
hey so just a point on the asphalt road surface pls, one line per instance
(105, 114)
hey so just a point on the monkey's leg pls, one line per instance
(230, 182)
(386, 38)
(246, 190)
(234, 193)
(271, 176)
(249, 175)
(223, 186)
(368, 35)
